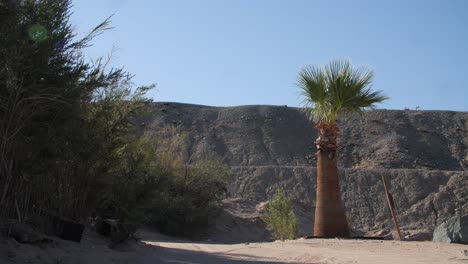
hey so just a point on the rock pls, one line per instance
(382, 233)
(113, 229)
(262, 206)
(102, 226)
(67, 229)
(419, 236)
(356, 233)
(454, 230)
(25, 234)
(378, 233)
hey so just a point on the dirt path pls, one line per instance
(156, 248)
(316, 251)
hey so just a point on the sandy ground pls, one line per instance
(314, 251)
(156, 248)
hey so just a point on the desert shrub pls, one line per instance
(189, 194)
(280, 218)
(154, 184)
(128, 185)
(190, 200)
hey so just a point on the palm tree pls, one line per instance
(329, 91)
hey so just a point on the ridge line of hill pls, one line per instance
(293, 107)
(341, 168)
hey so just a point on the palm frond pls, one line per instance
(313, 85)
(337, 88)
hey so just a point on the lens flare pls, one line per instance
(37, 33)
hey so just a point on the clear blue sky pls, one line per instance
(238, 52)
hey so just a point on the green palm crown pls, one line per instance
(337, 88)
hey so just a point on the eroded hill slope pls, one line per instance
(423, 154)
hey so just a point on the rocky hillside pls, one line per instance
(423, 155)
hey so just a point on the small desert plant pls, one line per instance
(279, 217)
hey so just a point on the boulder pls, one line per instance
(117, 231)
(454, 230)
(356, 233)
(419, 236)
(26, 234)
(68, 229)
(383, 234)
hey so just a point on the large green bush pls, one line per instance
(154, 184)
(189, 194)
(279, 217)
(63, 120)
(68, 146)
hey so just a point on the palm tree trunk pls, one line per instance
(330, 217)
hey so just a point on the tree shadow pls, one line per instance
(152, 236)
(173, 255)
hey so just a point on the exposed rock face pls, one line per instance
(423, 198)
(454, 230)
(422, 154)
(419, 236)
(280, 135)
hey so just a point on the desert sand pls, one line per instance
(313, 251)
(156, 248)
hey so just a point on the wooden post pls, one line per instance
(392, 209)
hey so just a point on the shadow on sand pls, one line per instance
(173, 255)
